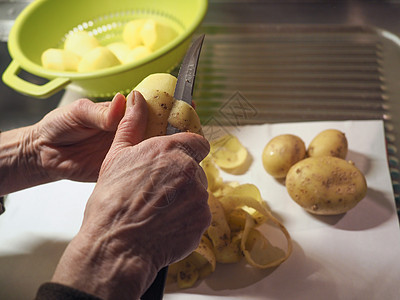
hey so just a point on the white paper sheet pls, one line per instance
(352, 256)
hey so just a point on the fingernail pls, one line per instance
(115, 96)
(130, 100)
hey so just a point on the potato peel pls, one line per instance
(199, 264)
(238, 211)
(229, 154)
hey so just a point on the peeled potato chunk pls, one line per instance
(98, 58)
(120, 50)
(81, 43)
(131, 33)
(137, 53)
(155, 35)
(60, 60)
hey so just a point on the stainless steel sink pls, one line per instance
(19, 110)
(296, 60)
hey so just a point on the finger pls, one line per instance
(193, 144)
(132, 127)
(100, 116)
(116, 111)
(105, 103)
(202, 177)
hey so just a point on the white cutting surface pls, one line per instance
(351, 256)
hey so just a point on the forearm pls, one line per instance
(19, 162)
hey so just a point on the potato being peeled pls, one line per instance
(330, 142)
(326, 185)
(158, 90)
(184, 117)
(282, 152)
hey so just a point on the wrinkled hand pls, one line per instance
(72, 141)
(148, 209)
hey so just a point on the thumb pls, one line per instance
(132, 128)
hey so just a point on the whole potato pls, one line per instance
(326, 185)
(281, 153)
(330, 142)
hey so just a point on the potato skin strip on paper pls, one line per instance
(238, 212)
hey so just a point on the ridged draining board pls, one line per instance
(252, 74)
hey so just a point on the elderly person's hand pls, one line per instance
(72, 141)
(68, 143)
(148, 209)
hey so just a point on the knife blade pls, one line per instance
(186, 76)
(187, 72)
(183, 91)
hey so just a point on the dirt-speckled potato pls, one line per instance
(281, 153)
(326, 185)
(158, 90)
(330, 142)
(184, 117)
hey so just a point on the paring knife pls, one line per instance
(184, 92)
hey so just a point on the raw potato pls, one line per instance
(139, 39)
(97, 59)
(330, 142)
(326, 185)
(60, 60)
(131, 33)
(120, 50)
(81, 43)
(184, 117)
(137, 53)
(158, 90)
(282, 152)
(158, 81)
(155, 35)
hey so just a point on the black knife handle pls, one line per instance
(156, 289)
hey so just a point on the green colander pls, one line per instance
(45, 24)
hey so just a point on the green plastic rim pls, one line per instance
(44, 23)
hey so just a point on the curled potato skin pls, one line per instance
(330, 142)
(326, 185)
(281, 153)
